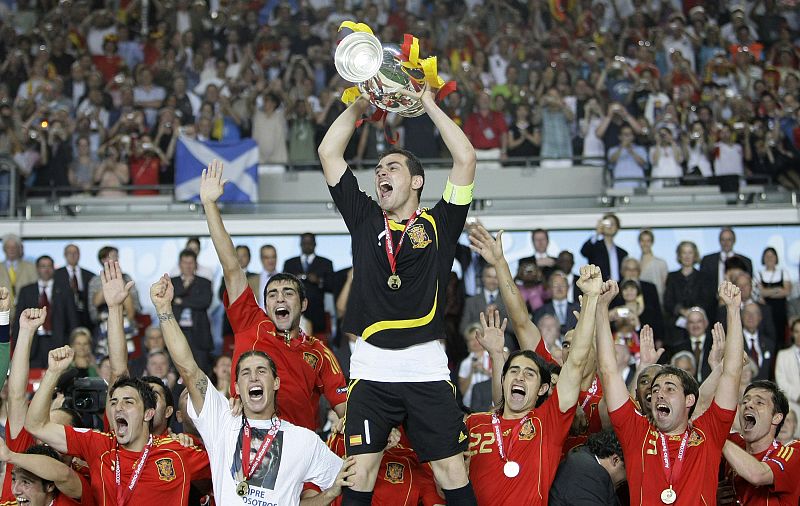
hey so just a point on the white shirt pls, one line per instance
(721, 267)
(421, 362)
(613, 261)
(730, 161)
(77, 272)
(751, 341)
(466, 367)
(48, 288)
(491, 297)
(307, 260)
(300, 454)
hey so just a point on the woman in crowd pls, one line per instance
(775, 287)
(685, 288)
(654, 269)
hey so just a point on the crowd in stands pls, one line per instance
(94, 98)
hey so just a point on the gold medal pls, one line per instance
(668, 496)
(243, 488)
(394, 282)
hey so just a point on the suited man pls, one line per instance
(190, 306)
(269, 267)
(591, 473)
(601, 251)
(767, 326)
(787, 372)
(344, 351)
(759, 347)
(62, 315)
(697, 341)
(14, 271)
(714, 264)
(76, 279)
(559, 306)
(489, 295)
(565, 263)
(649, 293)
(314, 271)
(541, 241)
(153, 341)
(243, 256)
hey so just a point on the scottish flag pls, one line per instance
(241, 168)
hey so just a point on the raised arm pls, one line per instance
(38, 420)
(570, 379)
(648, 355)
(615, 392)
(727, 394)
(212, 186)
(5, 333)
(331, 149)
(161, 293)
(29, 321)
(47, 468)
(708, 387)
(492, 339)
(748, 467)
(491, 249)
(115, 291)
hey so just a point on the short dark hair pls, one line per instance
(544, 371)
(188, 253)
(688, 383)
(604, 444)
(104, 252)
(143, 388)
(632, 284)
(169, 399)
(767, 250)
(541, 231)
(244, 247)
(727, 229)
(780, 404)
(44, 257)
(47, 451)
(413, 163)
(285, 276)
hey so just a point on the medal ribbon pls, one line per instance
(774, 447)
(391, 252)
(673, 473)
(263, 449)
(592, 390)
(499, 435)
(124, 493)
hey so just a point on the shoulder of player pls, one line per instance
(168, 443)
(92, 433)
(736, 438)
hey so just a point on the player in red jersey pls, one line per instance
(306, 366)
(670, 460)
(515, 451)
(128, 465)
(765, 472)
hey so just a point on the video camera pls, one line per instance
(87, 396)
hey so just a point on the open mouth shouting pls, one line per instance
(749, 421)
(663, 410)
(255, 392)
(282, 313)
(122, 426)
(384, 189)
(517, 392)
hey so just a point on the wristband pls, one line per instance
(166, 316)
(458, 195)
(5, 317)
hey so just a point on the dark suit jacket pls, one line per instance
(685, 344)
(197, 298)
(766, 329)
(597, 254)
(652, 308)
(64, 319)
(766, 370)
(582, 481)
(710, 265)
(549, 308)
(323, 268)
(342, 354)
(61, 277)
(473, 306)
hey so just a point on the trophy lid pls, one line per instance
(358, 57)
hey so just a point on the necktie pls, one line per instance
(44, 302)
(491, 298)
(560, 312)
(12, 276)
(305, 264)
(73, 282)
(754, 352)
(698, 354)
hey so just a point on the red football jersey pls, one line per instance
(166, 475)
(641, 446)
(784, 461)
(591, 401)
(537, 450)
(402, 479)
(307, 367)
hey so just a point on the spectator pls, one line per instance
(686, 361)
(270, 131)
(83, 167)
(559, 306)
(153, 342)
(729, 156)
(98, 310)
(476, 368)
(314, 271)
(642, 299)
(190, 305)
(486, 130)
(759, 347)
(714, 264)
(302, 150)
(653, 268)
(80, 340)
(529, 280)
(698, 151)
(77, 280)
(593, 148)
(111, 174)
(600, 249)
(556, 136)
(628, 161)
(145, 165)
(15, 272)
(686, 288)
(541, 241)
(775, 286)
(524, 140)
(667, 157)
(269, 265)
(787, 373)
(488, 297)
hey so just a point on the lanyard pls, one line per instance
(592, 390)
(499, 435)
(391, 252)
(772, 449)
(248, 468)
(124, 493)
(673, 473)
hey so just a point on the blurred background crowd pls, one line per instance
(94, 94)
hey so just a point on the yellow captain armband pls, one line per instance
(458, 195)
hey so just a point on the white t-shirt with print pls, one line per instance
(296, 456)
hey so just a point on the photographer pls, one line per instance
(698, 151)
(729, 156)
(111, 173)
(10, 145)
(666, 157)
(145, 165)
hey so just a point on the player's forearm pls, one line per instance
(457, 143)
(117, 348)
(18, 374)
(48, 469)
(223, 245)
(584, 330)
(748, 467)
(178, 346)
(331, 149)
(734, 344)
(527, 333)
(323, 498)
(498, 360)
(39, 410)
(706, 394)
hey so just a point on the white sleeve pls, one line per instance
(215, 415)
(463, 369)
(323, 464)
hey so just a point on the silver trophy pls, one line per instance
(377, 70)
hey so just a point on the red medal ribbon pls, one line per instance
(774, 447)
(592, 390)
(391, 252)
(499, 435)
(262, 451)
(124, 493)
(673, 473)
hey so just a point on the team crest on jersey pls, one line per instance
(418, 236)
(395, 472)
(528, 431)
(695, 439)
(166, 471)
(311, 359)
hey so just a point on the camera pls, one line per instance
(87, 396)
